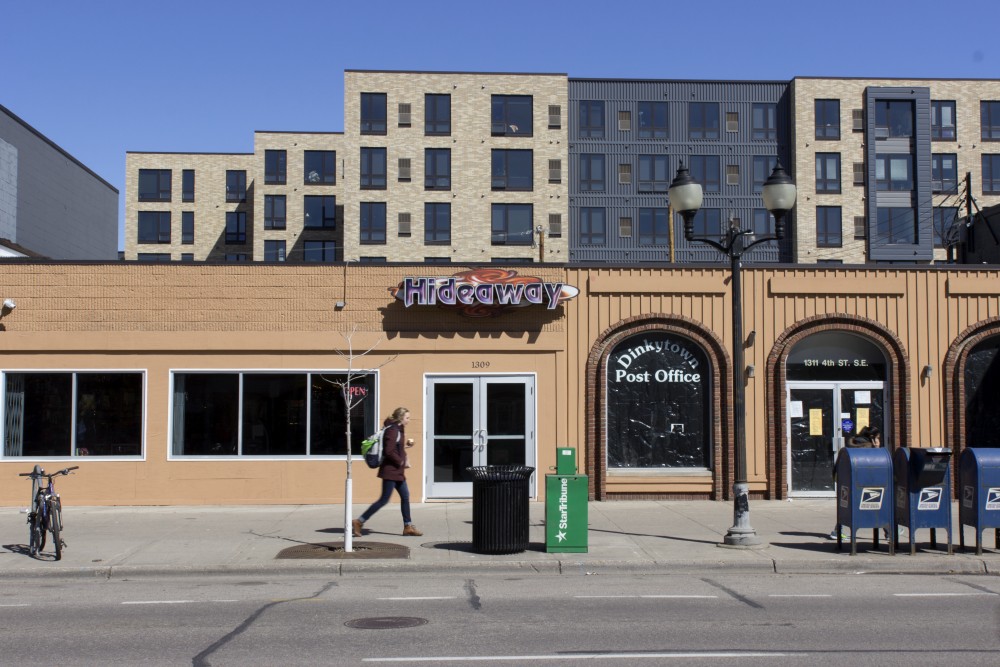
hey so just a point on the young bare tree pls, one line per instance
(352, 398)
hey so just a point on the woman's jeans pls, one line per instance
(404, 500)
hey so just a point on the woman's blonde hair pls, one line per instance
(397, 414)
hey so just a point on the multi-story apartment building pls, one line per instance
(434, 167)
(881, 165)
(51, 204)
(509, 168)
(627, 139)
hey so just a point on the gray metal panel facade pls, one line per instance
(623, 146)
(921, 197)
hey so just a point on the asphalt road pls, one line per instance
(503, 620)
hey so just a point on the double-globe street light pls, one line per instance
(779, 197)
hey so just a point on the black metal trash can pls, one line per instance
(500, 508)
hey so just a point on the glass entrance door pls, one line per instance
(822, 417)
(475, 421)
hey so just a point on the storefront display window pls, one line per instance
(73, 414)
(658, 404)
(269, 414)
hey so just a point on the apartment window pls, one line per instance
(275, 167)
(404, 170)
(153, 256)
(764, 122)
(732, 174)
(894, 173)
(654, 226)
(274, 211)
(373, 176)
(236, 185)
(625, 227)
(708, 222)
(991, 174)
(437, 224)
(593, 230)
(154, 185)
(237, 257)
(373, 113)
(187, 227)
(893, 119)
(437, 114)
(624, 121)
(187, 256)
(372, 223)
(320, 211)
(989, 113)
(828, 172)
(703, 120)
(274, 251)
(828, 227)
(437, 260)
(896, 226)
(187, 185)
(555, 225)
(372, 259)
(42, 409)
(860, 173)
(403, 226)
(319, 251)
(154, 227)
(944, 217)
(511, 224)
(704, 169)
(858, 120)
(860, 227)
(827, 119)
(320, 167)
(592, 173)
(555, 116)
(555, 171)
(625, 173)
(653, 120)
(591, 119)
(236, 227)
(763, 165)
(654, 173)
(437, 169)
(511, 116)
(763, 222)
(943, 120)
(944, 173)
(511, 169)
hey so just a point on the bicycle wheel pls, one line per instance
(55, 525)
(34, 534)
(42, 517)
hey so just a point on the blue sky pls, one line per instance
(104, 77)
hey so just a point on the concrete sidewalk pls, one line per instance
(640, 536)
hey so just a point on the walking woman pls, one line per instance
(392, 472)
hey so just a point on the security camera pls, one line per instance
(8, 304)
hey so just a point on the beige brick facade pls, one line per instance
(471, 144)
(969, 148)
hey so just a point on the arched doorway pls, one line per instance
(981, 384)
(836, 382)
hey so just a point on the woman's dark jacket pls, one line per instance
(393, 447)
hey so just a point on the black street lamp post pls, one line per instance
(779, 197)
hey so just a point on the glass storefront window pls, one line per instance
(658, 404)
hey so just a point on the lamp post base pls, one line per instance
(741, 535)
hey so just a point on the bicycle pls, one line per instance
(45, 514)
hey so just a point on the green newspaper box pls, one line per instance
(566, 506)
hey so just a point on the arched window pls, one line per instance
(982, 395)
(658, 404)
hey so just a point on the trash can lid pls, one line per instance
(498, 473)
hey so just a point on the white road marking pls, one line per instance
(940, 595)
(441, 597)
(803, 595)
(633, 597)
(15, 605)
(158, 602)
(225, 600)
(582, 656)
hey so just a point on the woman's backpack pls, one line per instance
(371, 448)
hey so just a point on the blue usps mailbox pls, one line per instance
(979, 493)
(923, 492)
(864, 494)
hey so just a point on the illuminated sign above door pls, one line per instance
(482, 292)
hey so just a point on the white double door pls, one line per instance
(476, 420)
